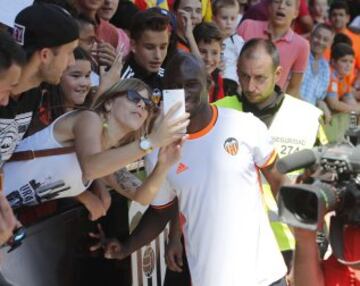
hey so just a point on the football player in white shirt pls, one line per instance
(228, 239)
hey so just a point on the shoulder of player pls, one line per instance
(236, 115)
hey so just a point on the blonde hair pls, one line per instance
(119, 89)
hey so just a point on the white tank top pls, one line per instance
(32, 182)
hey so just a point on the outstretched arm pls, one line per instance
(96, 163)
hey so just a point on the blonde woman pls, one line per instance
(92, 144)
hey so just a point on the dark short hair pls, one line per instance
(342, 38)
(339, 4)
(124, 14)
(10, 52)
(148, 20)
(323, 26)
(81, 54)
(341, 50)
(254, 44)
(218, 4)
(208, 32)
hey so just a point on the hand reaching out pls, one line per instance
(167, 130)
(113, 249)
(105, 54)
(186, 22)
(112, 75)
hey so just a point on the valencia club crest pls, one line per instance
(231, 146)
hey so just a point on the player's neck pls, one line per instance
(201, 119)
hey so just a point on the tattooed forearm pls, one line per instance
(127, 181)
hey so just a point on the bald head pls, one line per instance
(187, 72)
(256, 48)
(181, 64)
(258, 70)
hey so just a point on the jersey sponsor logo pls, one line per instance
(181, 168)
(231, 146)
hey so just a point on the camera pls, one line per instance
(334, 183)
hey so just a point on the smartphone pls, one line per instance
(170, 98)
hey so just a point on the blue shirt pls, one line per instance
(314, 85)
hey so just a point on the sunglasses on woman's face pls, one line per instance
(135, 97)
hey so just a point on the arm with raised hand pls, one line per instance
(97, 163)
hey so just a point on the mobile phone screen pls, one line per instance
(171, 97)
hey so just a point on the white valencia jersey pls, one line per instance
(228, 238)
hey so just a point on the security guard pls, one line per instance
(293, 123)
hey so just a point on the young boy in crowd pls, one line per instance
(107, 37)
(188, 16)
(319, 11)
(339, 96)
(226, 13)
(294, 49)
(149, 40)
(209, 39)
(339, 19)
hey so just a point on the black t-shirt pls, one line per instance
(15, 119)
(132, 70)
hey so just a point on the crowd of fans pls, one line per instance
(81, 86)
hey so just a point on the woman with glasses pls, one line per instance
(85, 145)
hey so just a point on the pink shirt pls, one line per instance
(124, 42)
(293, 49)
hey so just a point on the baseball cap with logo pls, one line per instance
(44, 26)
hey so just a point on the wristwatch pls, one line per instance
(145, 144)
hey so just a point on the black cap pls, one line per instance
(44, 26)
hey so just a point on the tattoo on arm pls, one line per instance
(127, 181)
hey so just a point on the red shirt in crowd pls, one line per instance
(337, 274)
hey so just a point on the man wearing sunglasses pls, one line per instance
(149, 42)
(215, 186)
